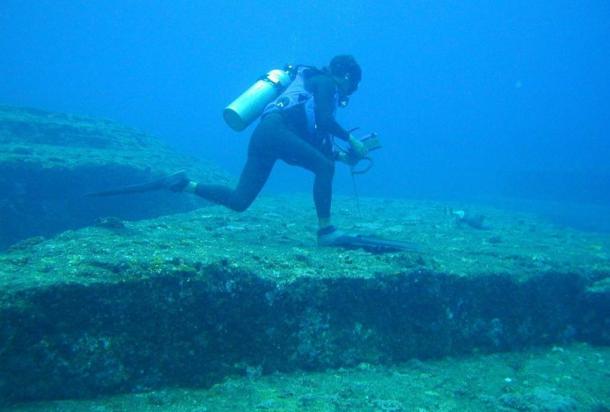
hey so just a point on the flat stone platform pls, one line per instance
(49, 161)
(189, 299)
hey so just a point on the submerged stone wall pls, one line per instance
(188, 299)
(195, 327)
(49, 161)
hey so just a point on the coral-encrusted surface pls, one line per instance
(48, 161)
(561, 378)
(190, 298)
(275, 239)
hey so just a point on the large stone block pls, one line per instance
(49, 161)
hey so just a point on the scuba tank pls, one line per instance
(250, 105)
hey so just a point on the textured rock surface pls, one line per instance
(190, 298)
(561, 378)
(48, 161)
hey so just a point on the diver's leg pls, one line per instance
(261, 158)
(298, 151)
(252, 179)
(322, 195)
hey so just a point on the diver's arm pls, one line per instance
(324, 89)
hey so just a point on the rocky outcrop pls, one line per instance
(188, 299)
(48, 161)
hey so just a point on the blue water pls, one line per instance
(503, 99)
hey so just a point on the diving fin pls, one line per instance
(373, 244)
(330, 236)
(174, 182)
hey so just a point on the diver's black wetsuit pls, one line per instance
(283, 135)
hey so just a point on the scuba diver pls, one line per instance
(297, 125)
(297, 128)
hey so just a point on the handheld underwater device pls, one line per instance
(350, 157)
(251, 103)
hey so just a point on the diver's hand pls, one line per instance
(343, 157)
(358, 147)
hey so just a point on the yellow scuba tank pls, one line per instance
(250, 105)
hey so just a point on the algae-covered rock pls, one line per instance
(572, 378)
(540, 399)
(188, 299)
(48, 161)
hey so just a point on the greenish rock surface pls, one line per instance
(191, 298)
(559, 378)
(48, 161)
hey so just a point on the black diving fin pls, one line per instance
(373, 244)
(174, 182)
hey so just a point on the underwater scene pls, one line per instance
(317, 206)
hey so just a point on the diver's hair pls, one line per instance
(343, 64)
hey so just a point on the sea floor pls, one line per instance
(276, 240)
(558, 378)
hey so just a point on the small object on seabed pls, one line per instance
(109, 222)
(462, 217)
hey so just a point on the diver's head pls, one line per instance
(346, 72)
